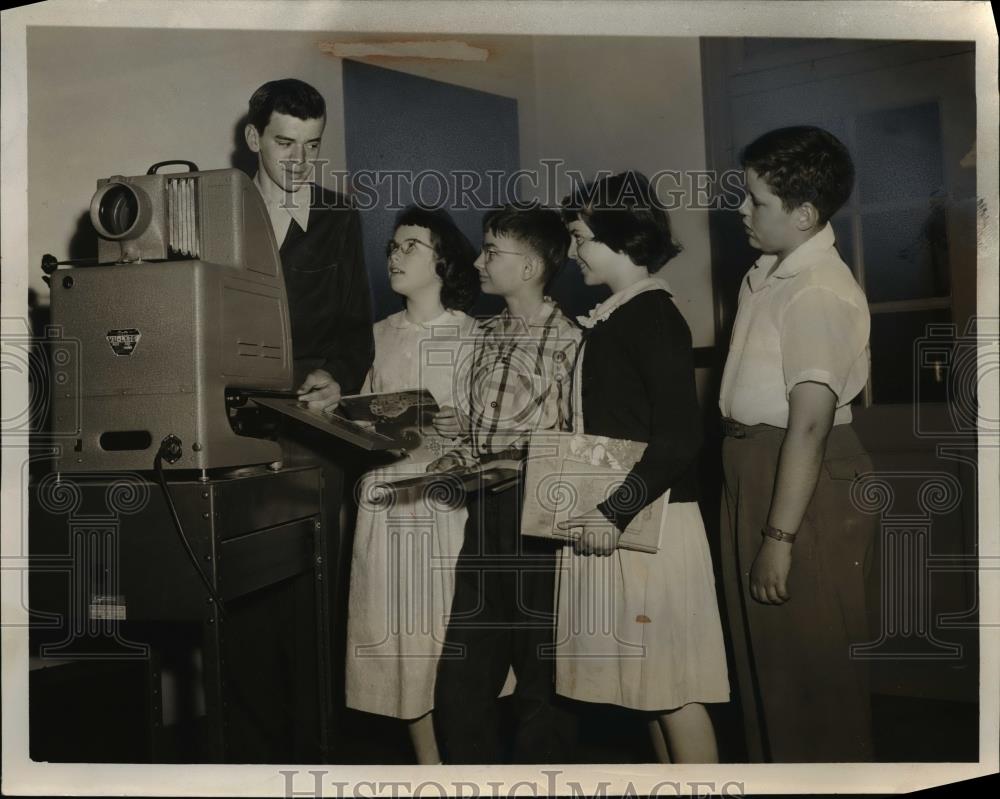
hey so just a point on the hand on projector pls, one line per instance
(319, 392)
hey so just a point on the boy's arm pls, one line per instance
(458, 456)
(350, 349)
(810, 419)
(452, 422)
(345, 341)
(675, 431)
(822, 337)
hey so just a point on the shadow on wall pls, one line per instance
(241, 158)
(83, 243)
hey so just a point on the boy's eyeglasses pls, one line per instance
(405, 247)
(490, 252)
(579, 240)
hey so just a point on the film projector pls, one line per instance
(178, 571)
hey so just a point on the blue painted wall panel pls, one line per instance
(397, 121)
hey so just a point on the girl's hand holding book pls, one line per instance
(449, 422)
(597, 535)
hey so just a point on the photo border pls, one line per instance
(869, 20)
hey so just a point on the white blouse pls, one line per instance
(419, 354)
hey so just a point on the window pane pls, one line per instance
(896, 341)
(898, 154)
(906, 253)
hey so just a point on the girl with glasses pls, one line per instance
(402, 576)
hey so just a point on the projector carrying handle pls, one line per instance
(191, 165)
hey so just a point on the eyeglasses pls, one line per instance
(405, 247)
(579, 240)
(492, 252)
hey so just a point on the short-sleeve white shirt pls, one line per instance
(806, 322)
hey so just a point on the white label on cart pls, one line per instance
(107, 607)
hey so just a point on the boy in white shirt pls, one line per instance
(798, 356)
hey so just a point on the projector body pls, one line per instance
(194, 306)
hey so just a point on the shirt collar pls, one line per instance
(619, 298)
(800, 258)
(546, 316)
(299, 211)
(400, 322)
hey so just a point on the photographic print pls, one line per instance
(729, 268)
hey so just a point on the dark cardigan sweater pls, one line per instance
(638, 384)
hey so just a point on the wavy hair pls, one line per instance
(803, 164)
(286, 96)
(454, 253)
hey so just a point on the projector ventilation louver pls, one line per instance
(182, 212)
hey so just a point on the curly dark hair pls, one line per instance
(455, 255)
(624, 213)
(803, 164)
(286, 96)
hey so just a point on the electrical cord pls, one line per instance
(165, 448)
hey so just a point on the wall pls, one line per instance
(509, 70)
(105, 101)
(113, 101)
(632, 103)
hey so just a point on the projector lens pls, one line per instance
(118, 210)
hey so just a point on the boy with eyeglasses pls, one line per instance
(515, 380)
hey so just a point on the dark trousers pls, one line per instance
(804, 697)
(501, 616)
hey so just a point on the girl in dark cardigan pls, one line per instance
(636, 629)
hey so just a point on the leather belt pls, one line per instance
(733, 429)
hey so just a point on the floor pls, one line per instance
(69, 724)
(907, 729)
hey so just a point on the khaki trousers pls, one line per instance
(804, 698)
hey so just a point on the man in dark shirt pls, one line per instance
(319, 239)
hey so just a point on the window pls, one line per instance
(894, 234)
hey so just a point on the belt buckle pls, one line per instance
(733, 429)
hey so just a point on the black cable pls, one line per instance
(158, 468)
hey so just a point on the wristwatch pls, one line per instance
(778, 535)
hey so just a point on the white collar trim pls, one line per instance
(618, 299)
